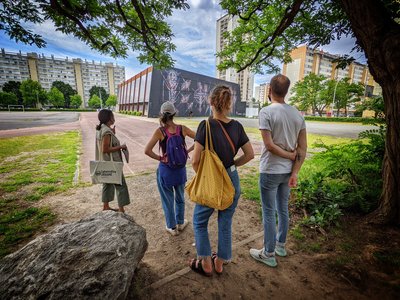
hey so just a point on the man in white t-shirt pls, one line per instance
(284, 149)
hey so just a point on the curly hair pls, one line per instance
(221, 98)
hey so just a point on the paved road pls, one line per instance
(349, 130)
(135, 132)
(15, 120)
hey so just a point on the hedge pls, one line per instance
(346, 120)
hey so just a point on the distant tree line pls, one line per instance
(316, 93)
(61, 95)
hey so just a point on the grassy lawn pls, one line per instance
(31, 167)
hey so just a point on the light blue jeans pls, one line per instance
(173, 204)
(275, 192)
(202, 214)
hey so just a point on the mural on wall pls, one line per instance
(190, 96)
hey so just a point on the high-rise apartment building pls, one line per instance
(80, 74)
(262, 93)
(306, 60)
(244, 78)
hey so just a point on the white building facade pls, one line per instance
(244, 78)
(80, 74)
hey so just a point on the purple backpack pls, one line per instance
(176, 148)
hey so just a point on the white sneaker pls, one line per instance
(180, 227)
(261, 257)
(173, 232)
(280, 251)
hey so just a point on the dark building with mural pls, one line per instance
(189, 92)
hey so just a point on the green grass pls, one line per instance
(297, 233)
(30, 168)
(249, 183)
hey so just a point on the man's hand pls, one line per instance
(124, 147)
(292, 181)
(113, 129)
(293, 155)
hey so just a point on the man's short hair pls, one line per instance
(280, 85)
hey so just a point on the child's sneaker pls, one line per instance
(280, 251)
(180, 227)
(261, 257)
(173, 232)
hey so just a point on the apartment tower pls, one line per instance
(80, 74)
(306, 60)
(244, 78)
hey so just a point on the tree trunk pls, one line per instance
(379, 36)
(389, 206)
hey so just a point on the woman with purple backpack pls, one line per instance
(171, 172)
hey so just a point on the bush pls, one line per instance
(343, 177)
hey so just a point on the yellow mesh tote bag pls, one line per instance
(211, 186)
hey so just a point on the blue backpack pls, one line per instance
(176, 148)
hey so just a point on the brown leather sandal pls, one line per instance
(196, 265)
(213, 258)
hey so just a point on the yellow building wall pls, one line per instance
(79, 82)
(110, 72)
(33, 69)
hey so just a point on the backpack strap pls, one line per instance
(227, 136)
(162, 129)
(178, 131)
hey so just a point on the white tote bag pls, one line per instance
(102, 171)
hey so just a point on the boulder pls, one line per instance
(94, 258)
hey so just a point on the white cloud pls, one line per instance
(195, 40)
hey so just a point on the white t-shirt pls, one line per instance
(285, 123)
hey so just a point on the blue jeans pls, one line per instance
(173, 205)
(202, 214)
(275, 192)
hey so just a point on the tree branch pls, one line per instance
(258, 7)
(121, 11)
(287, 20)
(145, 27)
(57, 7)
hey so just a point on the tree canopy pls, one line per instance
(13, 87)
(8, 99)
(307, 93)
(111, 101)
(94, 102)
(110, 27)
(100, 92)
(66, 90)
(55, 97)
(32, 93)
(76, 100)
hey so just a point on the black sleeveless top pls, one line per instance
(222, 147)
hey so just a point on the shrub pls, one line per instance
(343, 177)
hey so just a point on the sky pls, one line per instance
(195, 34)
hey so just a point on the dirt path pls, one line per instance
(163, 273)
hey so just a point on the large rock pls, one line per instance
(94, 258)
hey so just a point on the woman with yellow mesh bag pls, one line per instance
(224, 137)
